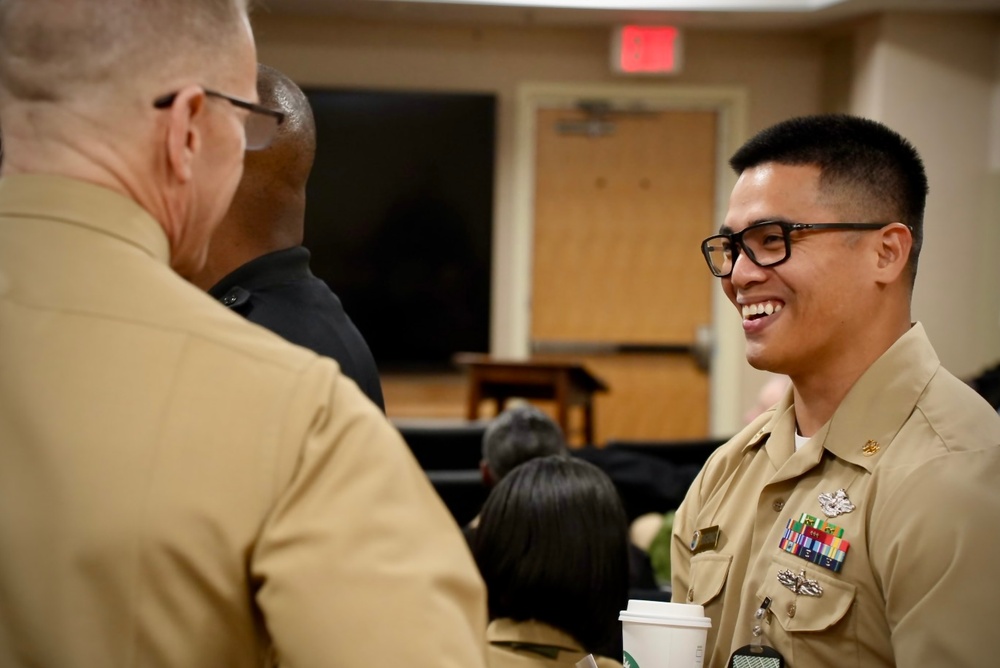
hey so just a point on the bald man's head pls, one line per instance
(289, 159)
(268, 211)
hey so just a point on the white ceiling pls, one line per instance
(714, 14)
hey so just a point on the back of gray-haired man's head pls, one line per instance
(517, 435)
(53, 51)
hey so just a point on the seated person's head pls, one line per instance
(516, 435)
(551, 547)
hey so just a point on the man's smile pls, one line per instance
(761, 309)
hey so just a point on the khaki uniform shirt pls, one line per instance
(183, 488)
(916, 585)
(510, 643)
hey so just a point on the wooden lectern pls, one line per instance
(566, 383)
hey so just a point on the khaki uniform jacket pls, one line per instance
(508, 639)
(182, 488)
(915, 587)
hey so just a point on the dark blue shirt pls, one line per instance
(279, 292)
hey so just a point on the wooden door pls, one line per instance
(618, 280)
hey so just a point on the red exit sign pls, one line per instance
(646, 50)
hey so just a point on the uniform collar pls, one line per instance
(530, 632)
(871, 414)
(875, 409)
(86, 205)
(779, 421)
(275, 268)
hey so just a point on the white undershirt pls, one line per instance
(800, 440)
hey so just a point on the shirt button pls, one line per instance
(778, 505)
(690, 594)
(791, 610)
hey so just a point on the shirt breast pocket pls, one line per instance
(810, 628)
(708, 576)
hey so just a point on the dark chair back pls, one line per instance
(444, 446)
(463, 492)
(651, 476)
(449, 453)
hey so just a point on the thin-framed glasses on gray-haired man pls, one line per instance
(261, 124)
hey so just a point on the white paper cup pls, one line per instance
(664, 635)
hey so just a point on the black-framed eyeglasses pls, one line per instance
(766, 243)
(260, 127)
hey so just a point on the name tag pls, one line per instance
(705, 539)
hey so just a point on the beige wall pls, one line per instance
(994, 138)
(935, 80)
(878, 68)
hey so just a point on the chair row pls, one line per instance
(651, 476)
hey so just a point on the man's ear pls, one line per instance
(893, 251)
(484, 471)
(184, 138)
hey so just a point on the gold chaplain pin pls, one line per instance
(705, 539)
(870, 448)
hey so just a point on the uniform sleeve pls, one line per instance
(934, 548)
(360, 562)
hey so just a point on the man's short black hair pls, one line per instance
(552, 546)
(867, 159)
(518, 434)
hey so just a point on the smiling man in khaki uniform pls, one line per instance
(180, 487)
(863, 506)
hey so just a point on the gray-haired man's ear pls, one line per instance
(484, 470)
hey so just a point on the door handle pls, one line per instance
(703, 347)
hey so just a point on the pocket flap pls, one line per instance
(708, 576)
(799, 612)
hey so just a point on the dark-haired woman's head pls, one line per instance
(552, 546)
